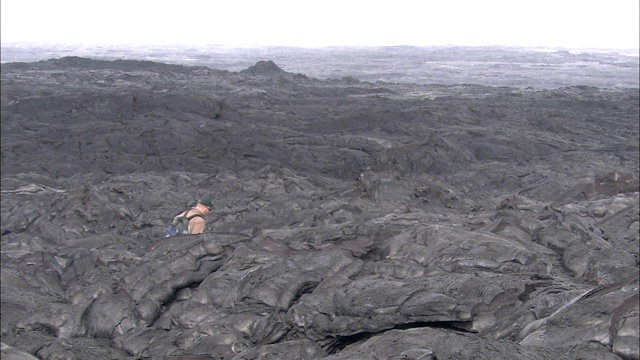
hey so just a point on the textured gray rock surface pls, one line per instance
(352, 220)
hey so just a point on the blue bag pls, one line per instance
(179, 225)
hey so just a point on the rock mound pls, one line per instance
(265, 68)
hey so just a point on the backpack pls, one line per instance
(180, 225)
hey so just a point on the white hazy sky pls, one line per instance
(606, 24)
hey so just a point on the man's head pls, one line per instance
(205, 203)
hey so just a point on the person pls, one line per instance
(196, 216)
